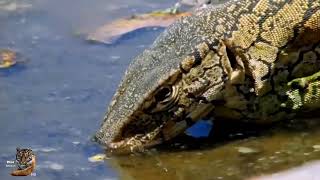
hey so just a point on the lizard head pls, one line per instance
(164, 90)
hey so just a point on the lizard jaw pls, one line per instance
(164, 132)
(137, 143)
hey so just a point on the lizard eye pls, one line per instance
(163, 94)
(165, 98)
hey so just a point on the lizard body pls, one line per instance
(237, 60)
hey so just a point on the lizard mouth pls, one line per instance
(164, 132)
(142, 142)
(137, 143)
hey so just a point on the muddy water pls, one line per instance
(282, 147)
(54, 101)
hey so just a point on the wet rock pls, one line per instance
(247, 150)
(316, 147)
(97, 158)
(111, 32)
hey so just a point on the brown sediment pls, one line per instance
(27, 171)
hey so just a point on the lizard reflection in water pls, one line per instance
(247, 60)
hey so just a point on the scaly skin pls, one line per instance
(304, 93)
(234, 61)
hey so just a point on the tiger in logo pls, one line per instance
(25, 161)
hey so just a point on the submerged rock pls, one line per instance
(247, 150)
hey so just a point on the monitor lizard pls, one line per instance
(247, 60)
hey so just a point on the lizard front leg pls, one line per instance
(303, 93)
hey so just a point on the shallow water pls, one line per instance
(271, 151)
(54, 102)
